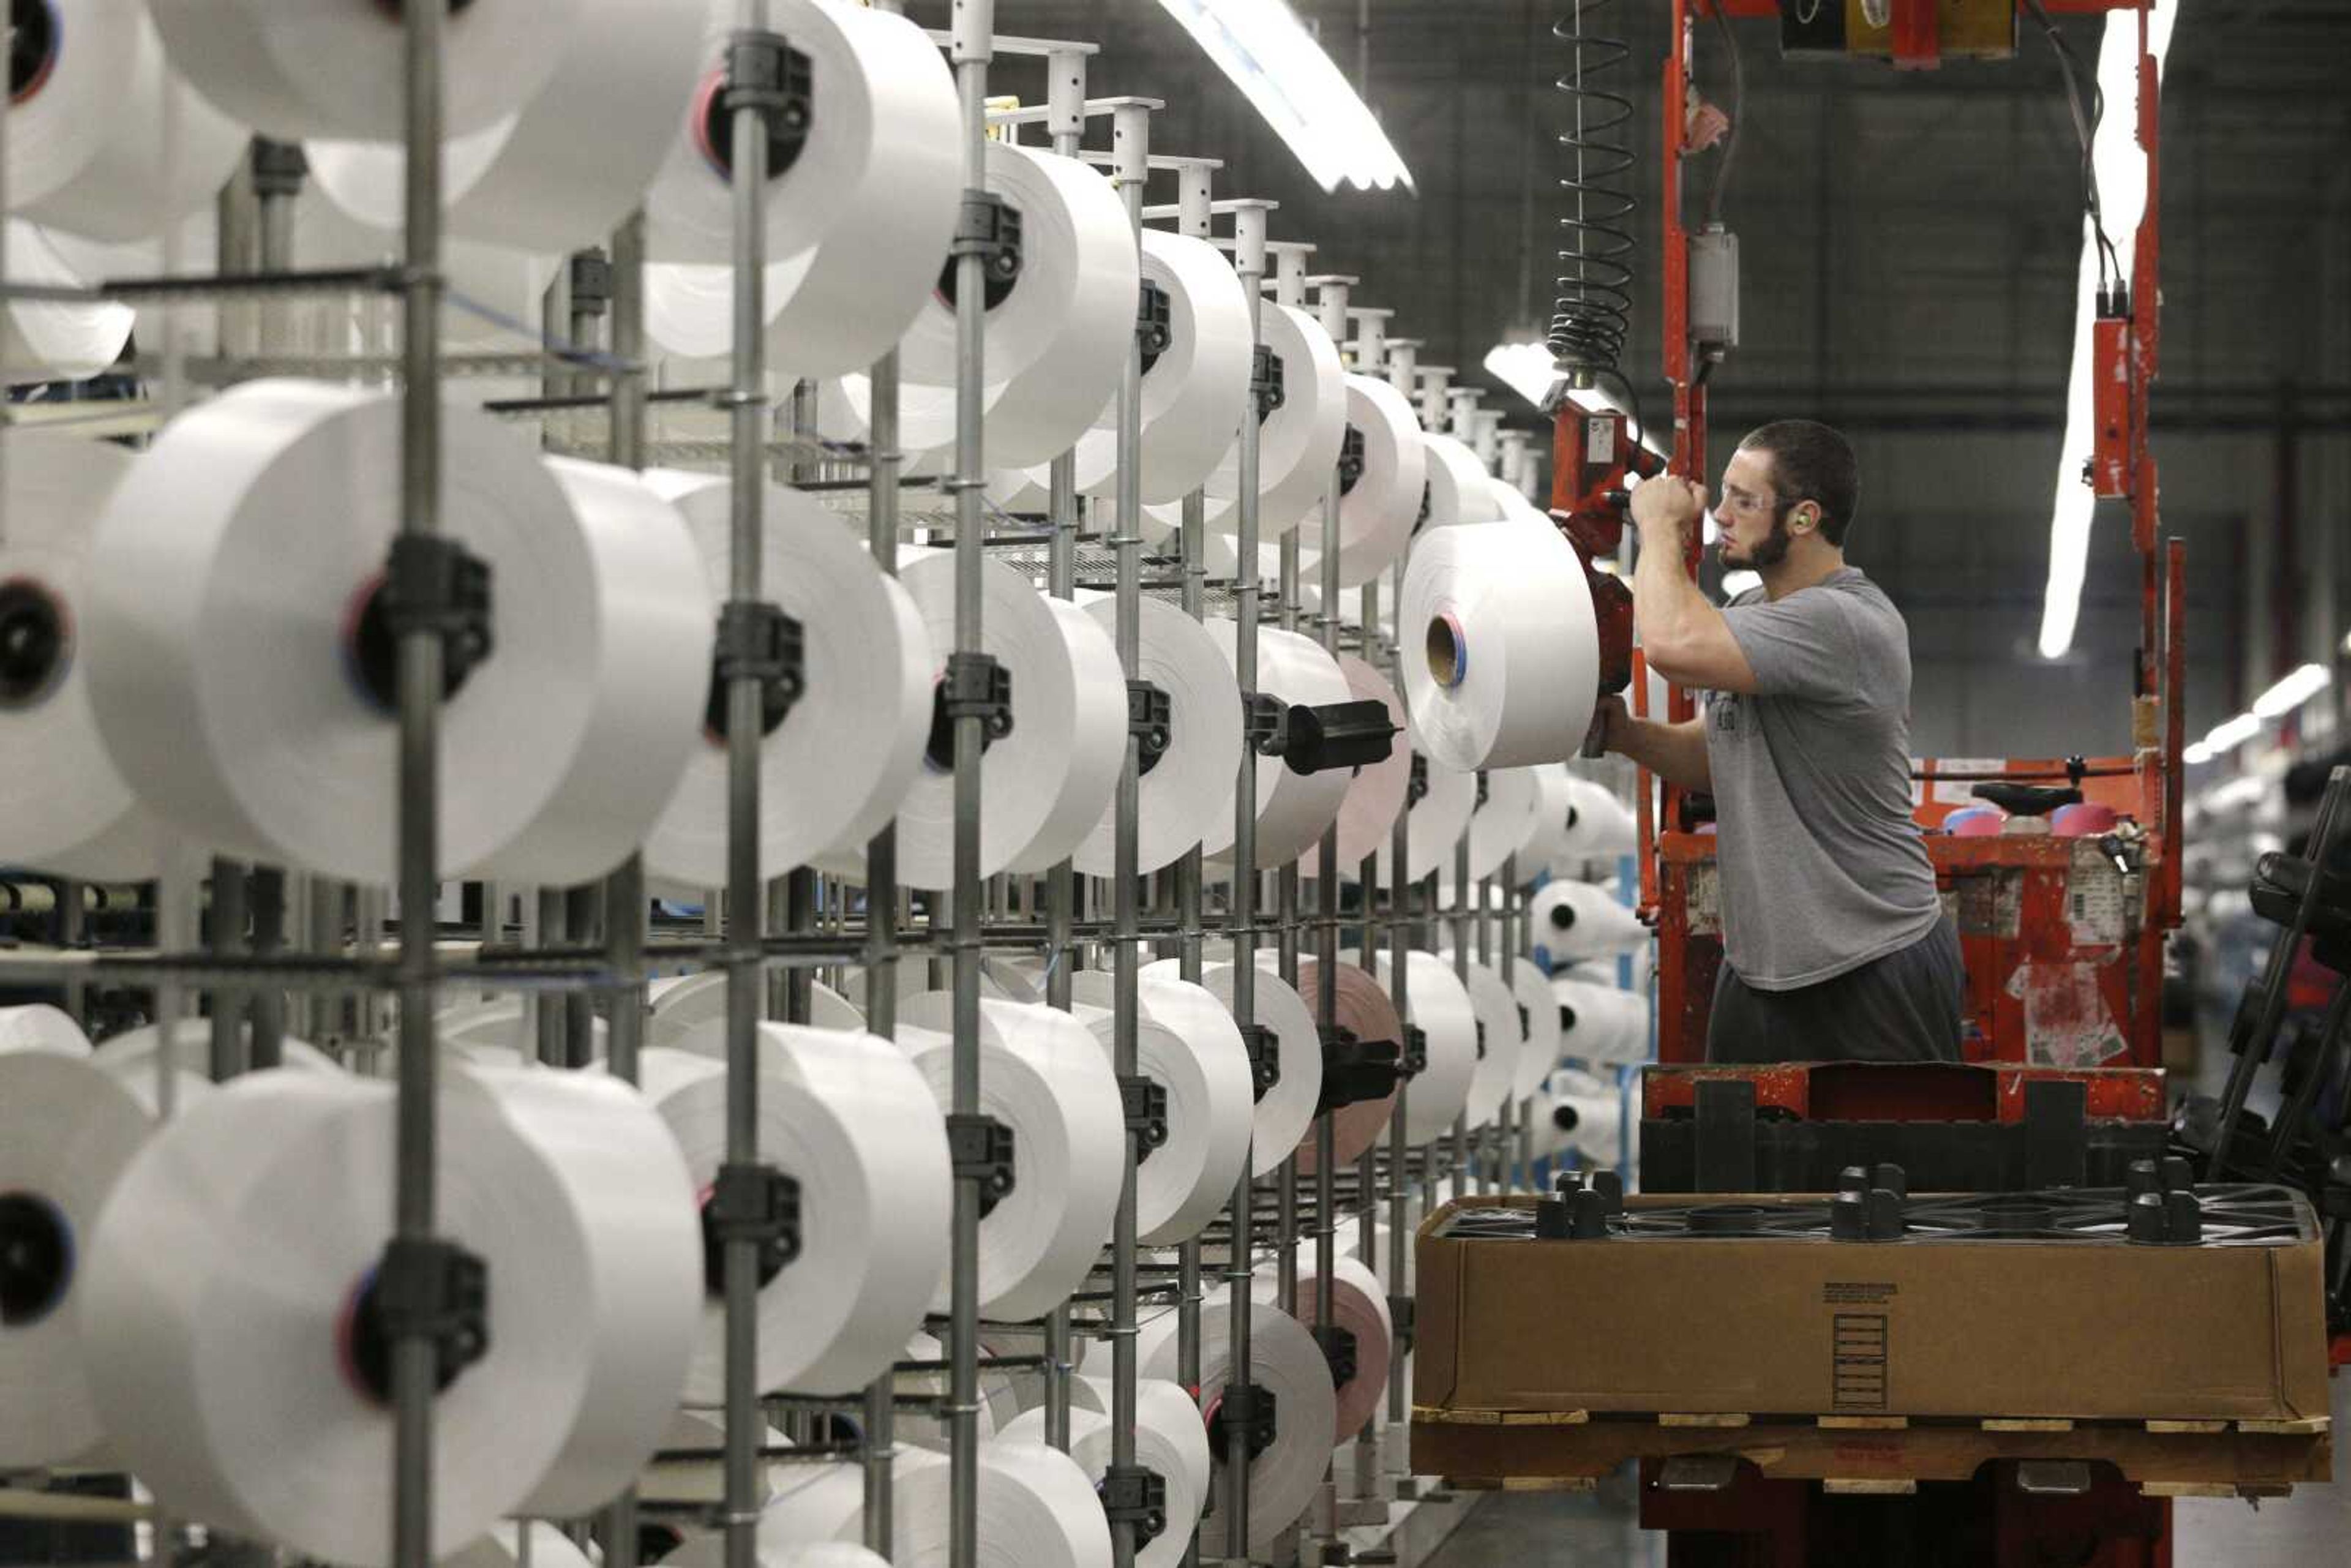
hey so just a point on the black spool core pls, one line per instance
(37, 1258)
(1446, 657)
(1563, 916)
(787, 132)
(774, 707)
(32, 640)
(375, 655)
(713, 1258)
(1565, 1117)
(1567, 1020)
(33, 30)
(369, 1349)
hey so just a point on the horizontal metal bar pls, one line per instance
(1004, 45)
(1162, 160)
(1228, 204)
(219, 285)
(1093, 108)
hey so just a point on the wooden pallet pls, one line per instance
(2166, 1458)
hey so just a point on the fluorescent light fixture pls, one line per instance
(2227, 738)
(1527, 369)
(2197, 755)
(1269, 54)
(1735, 583)
(2292, 690)
(2122, 195)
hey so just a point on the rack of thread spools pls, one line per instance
(380, 758)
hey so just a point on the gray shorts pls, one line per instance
(1904, 1006)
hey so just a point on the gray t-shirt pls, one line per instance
(1823, 869)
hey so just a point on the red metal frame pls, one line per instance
(2016, 892)
(2029, 973)
(1865, 1092)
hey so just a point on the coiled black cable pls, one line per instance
(1592, 307)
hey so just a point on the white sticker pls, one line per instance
(2096, 903)
(1599, 441)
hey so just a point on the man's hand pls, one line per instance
(1668, 502)
(1611, 724)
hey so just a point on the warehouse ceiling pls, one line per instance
(1909, 242)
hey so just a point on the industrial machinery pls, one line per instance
(2064, 933)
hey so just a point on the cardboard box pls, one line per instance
(1922, 1329)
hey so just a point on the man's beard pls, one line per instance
(1771, 551)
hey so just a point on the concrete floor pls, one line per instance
(2312, 1529)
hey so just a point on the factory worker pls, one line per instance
(1835, 946)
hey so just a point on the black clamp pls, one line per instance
(1351, 461)
(758, 642)
(1485, 790)
(431, 583)
(1265, 723)
(1136, 1495)
(430, 1290)
(767, 74)
(1339, 734)
(1481, 1039)
(1248, 1408)
(1355, 1070)
(754, 1203)
(1266, 383)
(278, 167)
(2166, 1219)
(590, 281)
(1150, 718)
(1526, 1021)
(1413, 1060)
(1264, 1049)
(1317, 740)
(1427, 500)
(1581, 1206)
(981, 1146)
(1418, 787)
(1338, 1347)
(1869, 1204)
(1144, 1102)
(988, 228)
(2161, 1204)
(975, 687)
(1155, 327)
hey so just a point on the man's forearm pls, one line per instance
(1675, 752)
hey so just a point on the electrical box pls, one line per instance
(1714, 289)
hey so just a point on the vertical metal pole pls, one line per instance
(747, 470)
(227, 939)
(624, 889)
(1066, 95)
(414, 1357)
(1130, 136)
(1488, 1156)
(1286, 919)
(1188, 965)
(973, 45)
(882, 919)
(1461, 972)
(1517, 1151)
(1326, 1003)
(1249, 251)
(1399, 949)
(1194, 221)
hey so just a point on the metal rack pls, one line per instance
(564, 955)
